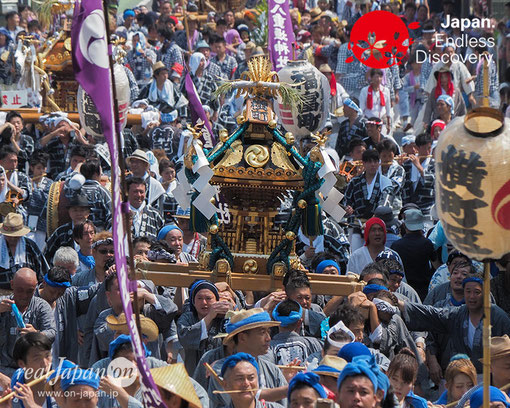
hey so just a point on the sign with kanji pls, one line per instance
(280, 33)
(14, 99)
(259, 110)
(473, 191)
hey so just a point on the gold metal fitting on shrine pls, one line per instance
(289, 138)
(290, 235)
(250, 266)
(302, 204)
(241, 119)
(223, 135)
(272, 124)
(213, 229)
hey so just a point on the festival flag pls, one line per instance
(91, 63)
(197, 111)
(280, 33)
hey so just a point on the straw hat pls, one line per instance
(238, 318)
(325, 69)
(330, 365)
(140, 155)
(316, 13)
(118, 324)
(174, 378)
(159, 65)
(500, 347)
(13, 226)
(441, 70)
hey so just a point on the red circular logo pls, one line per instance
(500, 207)
(380, 39)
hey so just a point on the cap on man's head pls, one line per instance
(202, 44)
(385, 213)
(413, 220)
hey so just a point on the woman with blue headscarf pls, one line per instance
(197, 328)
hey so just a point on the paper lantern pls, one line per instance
(473, 183)
(89, 117)
(315, 91)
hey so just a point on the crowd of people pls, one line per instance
(413, 337)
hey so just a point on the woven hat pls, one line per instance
(500, 347)
(159, 65)
(316, 13)
(140, 155)
(119, 324)
(174, 378)
(330, 365)
(13, 226)
(247, 320)
(325, 68)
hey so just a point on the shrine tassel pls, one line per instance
(311, 222)
(198, 222)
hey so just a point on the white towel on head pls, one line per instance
(165, 95)
(149, 117)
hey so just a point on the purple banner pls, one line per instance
(92, 71)
(197, 111)
(280, 33)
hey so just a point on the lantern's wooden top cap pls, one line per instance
(484, 122)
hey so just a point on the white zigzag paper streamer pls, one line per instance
(328, 191)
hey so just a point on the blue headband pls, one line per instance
(234, 359)
(459, 357)
(63, 367)
(310, 379)
(120, 340)
(129, 13)
(165, 230)
(326, 369)
(289, 320)
(202, 284)
(383, 383)
(351, 350)
(18, 377)
(396, 272)
(472, 279)
(80, 376)
(496, 395)
(255, 318)
(350, 103)
(324, 264)
(373, 288)
(56, 284)
(448, 100)
(358, 368)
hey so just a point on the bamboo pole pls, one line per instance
(486, 334)
(30, 384)
(486, 91)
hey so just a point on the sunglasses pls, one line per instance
(106, 251)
